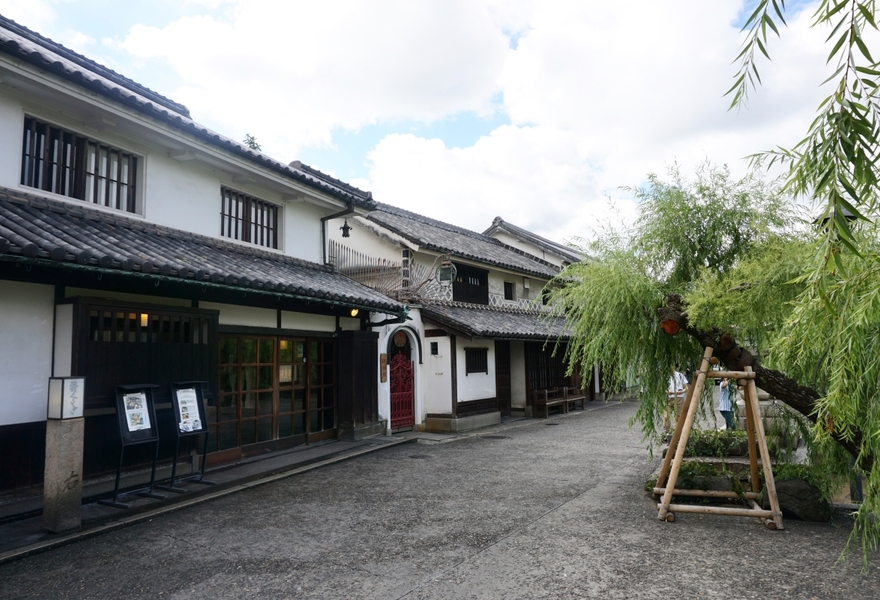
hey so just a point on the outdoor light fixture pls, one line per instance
(346, 229)
(446, 272)
(354, 312)
(66, 397)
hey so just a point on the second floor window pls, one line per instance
(248, 219)
(66, 163)
(470, 285)
(509, 290)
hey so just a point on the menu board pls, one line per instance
(136, 413)
(189, 419)
(137, 417)
(189, 408)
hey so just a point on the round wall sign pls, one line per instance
(400, 339)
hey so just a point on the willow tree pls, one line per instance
(808, 298)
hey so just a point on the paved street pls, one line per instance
(542, 509)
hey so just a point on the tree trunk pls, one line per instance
(800, 398)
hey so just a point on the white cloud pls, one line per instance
(33, 14)
(293, 72)
(598, 93)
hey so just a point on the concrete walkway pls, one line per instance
(531, 509)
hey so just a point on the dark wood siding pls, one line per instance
(118, 343)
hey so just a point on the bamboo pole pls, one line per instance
(765, 455)
(718, 510)
(676, 435)
(708, 493)
(750, 429)
(731, 374)
(685, 433)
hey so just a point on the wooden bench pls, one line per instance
(573, 396)
(544, 400)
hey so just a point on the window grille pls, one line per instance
(509, 290)
(62, 162)
(248, 219)
(476, 360)
(470, 285)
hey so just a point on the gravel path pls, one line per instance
(542, 509)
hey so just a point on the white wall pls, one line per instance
(532, 249)
(438, 376)
(363, 239)
(475, 386)
(26, 321)
(183, 194)
(11, 127)
(233, 314)
(307, 322)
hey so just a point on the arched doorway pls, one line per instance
(402, 379)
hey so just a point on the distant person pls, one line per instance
(726, 403)
(675, 393)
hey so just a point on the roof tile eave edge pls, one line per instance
(383, 306)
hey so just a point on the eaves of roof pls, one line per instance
(564, 252)
(29, 46)
(487, 322)
(54, 233)
(450, 239)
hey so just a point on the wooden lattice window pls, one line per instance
(509, 290)
(476, 360)
(66, 163)
(248, 219)
(470, 285)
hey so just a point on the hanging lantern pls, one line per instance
(446, 272)
(346, 229)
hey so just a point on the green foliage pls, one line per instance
(836, 162)
(754, 300)
(251, 142)
(611, 301)
(708, 223)
(832, 340)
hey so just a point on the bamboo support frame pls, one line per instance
(757, 441)
(708, 493)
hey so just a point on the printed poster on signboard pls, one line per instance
(137, 415)
(188, 410)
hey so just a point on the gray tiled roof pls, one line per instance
(31, 47)
(487, 322)
(457, 241)
(38, 229)
(564, 252)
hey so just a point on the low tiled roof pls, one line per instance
(38, 229)
(488, 322)
(564, 252)
(458, 241)
(31, 47)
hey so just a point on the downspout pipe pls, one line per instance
(349, 210)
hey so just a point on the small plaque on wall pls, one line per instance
(383, 368)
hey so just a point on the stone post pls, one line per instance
(62, 479)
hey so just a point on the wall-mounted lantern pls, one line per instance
(355, 312)
(66, 397)
(446, 272)
(346, 229)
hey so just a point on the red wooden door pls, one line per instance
(402, 400)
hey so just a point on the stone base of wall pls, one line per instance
(461, 424)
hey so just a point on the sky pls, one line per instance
(539, 112)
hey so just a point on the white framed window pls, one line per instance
(248, 219)
(70, 164)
